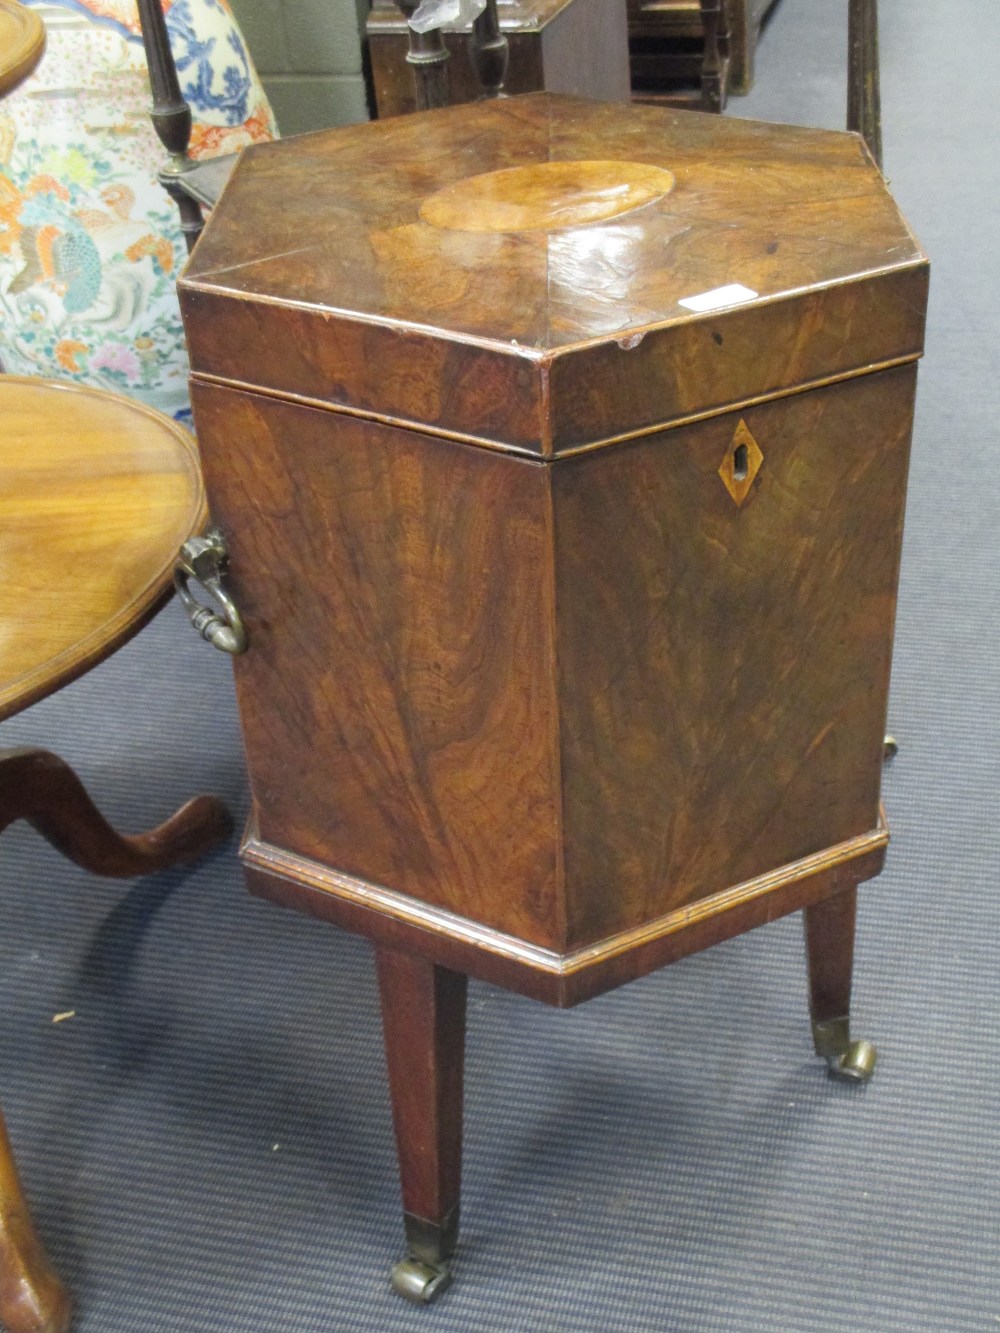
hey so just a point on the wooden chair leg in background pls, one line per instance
(38, 786)
(715, 65)
(829, 927)
(32, 1299)
(864, 97)
(423, 1015)
(744, 45)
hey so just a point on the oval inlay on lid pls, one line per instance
(545, 196)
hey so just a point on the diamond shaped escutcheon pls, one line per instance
(741, 464)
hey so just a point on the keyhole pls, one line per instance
(741, 464)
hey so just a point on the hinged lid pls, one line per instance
(548, 274)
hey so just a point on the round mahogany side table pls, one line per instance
(22, 42)
(96, 494)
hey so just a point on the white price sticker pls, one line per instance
(733, 294)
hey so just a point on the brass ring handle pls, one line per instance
(204, 560)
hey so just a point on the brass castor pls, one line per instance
(418, 1282)
(855, 1065)
(852, 1061)
(890, 748)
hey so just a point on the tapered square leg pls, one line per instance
(829, 927)
(423, 1015)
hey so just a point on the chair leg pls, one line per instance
(42, 788)
(864, 99)
(715, 65)
(743, 37)
(829, 929)
(423, 1014)
(32, 1299)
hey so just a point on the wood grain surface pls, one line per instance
(545, 196)
(423, 1018)
(540, 684)
(547, 341)
(97, 492)
(569, 584)
(707, 705)
(723, 669)
(829, 928)
(562, 979)
(397, 698)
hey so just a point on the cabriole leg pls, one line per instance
(423, 1015)
(829, 927)
(32, 1299)
(42, 788)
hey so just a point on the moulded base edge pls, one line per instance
(402, 922)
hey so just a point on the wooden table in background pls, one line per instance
(22, 43)
(97, 493)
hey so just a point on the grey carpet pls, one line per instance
(207, 1143)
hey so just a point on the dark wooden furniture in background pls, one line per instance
(693, 52)
(566, 528)
(568, 46)
(679, 52)
(95, 493)
(196, 186)
(745, 20)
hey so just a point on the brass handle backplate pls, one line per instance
(204, 559)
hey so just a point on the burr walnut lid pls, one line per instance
(546, 274)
